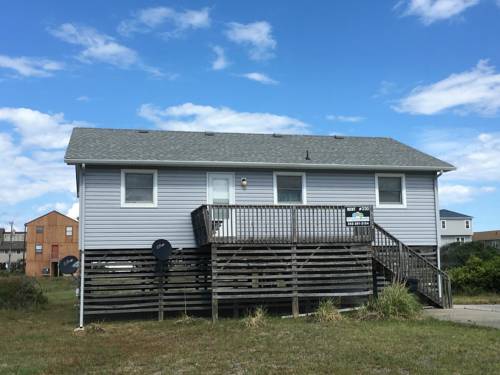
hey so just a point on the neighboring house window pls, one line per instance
(467, 224)
(38, 248)
(443, 224)
(390, 190)
(139, 188)
(39, 229)
(69, 231)
(289, 188)
(460, 239)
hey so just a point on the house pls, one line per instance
(49, 238)
(15, 247)
(455, 227)
(489, 238)
(252, 218)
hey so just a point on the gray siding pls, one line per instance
(415, 225)
(107, 225)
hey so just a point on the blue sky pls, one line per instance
(425, 72)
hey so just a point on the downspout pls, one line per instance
(81, 237)
(438, 230)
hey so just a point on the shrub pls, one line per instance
(477, 275)
(256, 318)
(327, 311)
(20, 292)
(394, 302)
(457, 254)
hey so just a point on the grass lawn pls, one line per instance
(44, 343)
(480, 299)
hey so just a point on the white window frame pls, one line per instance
(231, 186)
(36, 248)
(467, 224)
(66, 231)
(403, 191)
(140, 204)
(275, 186)
(443, 224)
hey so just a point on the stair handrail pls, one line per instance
(447, 302)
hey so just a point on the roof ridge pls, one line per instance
(233, 133)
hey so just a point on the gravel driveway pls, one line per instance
(481, 315)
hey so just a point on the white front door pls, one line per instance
(221, 191)
(220, 188)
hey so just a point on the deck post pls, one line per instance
(295, 294)
(215, 302)
(374, 279)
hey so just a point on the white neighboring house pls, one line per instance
(455, 227)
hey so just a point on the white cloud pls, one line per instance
(32, 172)
(449, 193)
(257, 35)
(192, 117)
(30, 66)
(341, 118)
(476, 156)
(385, 88)
(39, 129)
(146, 20)
(260, 77)
(74, 210)
(430, 11)
(220, 61)
(58, 206)
(98, 47)
(477, 90)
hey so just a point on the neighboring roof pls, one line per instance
(487, 235)
(447, 214)
(149, 147)
(48, 213)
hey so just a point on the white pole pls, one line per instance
(10, 248)
(438, 231)
(82, 239)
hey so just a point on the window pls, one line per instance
(139, 188)
(467, 224)
(69, 231)
(38, 248)
(443, 224)
(39, 229)
(390, 190)
(289, 188)
(460, 239)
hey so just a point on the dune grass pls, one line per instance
(43, 342)
(478, 299)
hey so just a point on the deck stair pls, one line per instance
(407, 265)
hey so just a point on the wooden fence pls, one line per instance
(266, 273)
(128, 281)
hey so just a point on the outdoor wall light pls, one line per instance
(244, 182)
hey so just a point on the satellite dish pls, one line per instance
(162, 249)
(69, 265)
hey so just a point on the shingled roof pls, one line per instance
(152, 147)
(447, 214)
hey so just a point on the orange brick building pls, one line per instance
(49, 238)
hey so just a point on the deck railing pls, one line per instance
(277, 224)
(406, 265)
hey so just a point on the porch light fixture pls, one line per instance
(244, 182)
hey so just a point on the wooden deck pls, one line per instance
(277, 224)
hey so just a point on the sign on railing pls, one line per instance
(358, 216)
